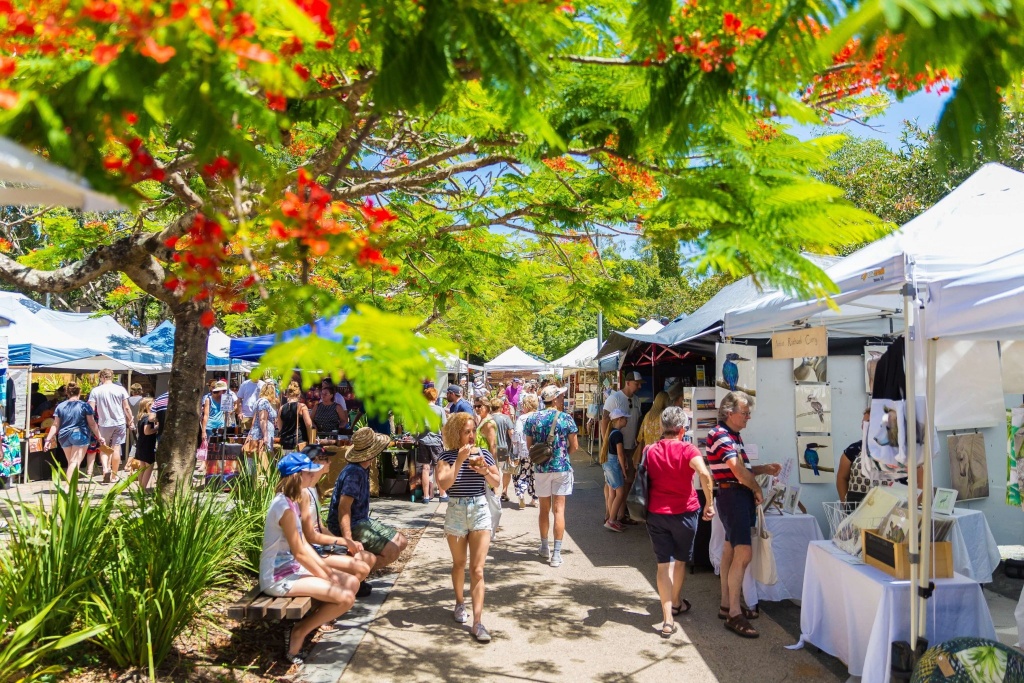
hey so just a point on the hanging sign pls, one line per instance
(805, 343)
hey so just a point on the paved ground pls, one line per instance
(591, 619)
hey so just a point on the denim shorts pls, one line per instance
(467, 514)
(613, 473)
(281, 588)
(79, 437)
(738, 512)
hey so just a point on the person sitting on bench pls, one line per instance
(288, 564)
(349, 513)
(331, 548)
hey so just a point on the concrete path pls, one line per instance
(591, 619)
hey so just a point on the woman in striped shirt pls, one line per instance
(465, 471)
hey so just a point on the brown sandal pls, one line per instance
(750, 614)
(741, 627)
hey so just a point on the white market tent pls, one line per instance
(652, 326)
(30, 180)
(514, 359)
(966, 231)
(582, 357)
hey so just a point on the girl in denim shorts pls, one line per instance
(465, 471)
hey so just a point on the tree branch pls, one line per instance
(375, 186)
(608, 61)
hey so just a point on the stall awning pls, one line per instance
(253, 348)
(513, 359)
(30, 180)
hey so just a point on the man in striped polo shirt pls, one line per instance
(738, 496)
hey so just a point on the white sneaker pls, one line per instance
(556, 560)
(544, 553)
(481, 634)
(460, 613)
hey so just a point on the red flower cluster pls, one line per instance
(200, 255)
(763, 132)
(645, 187)
(140, 165)
(376, 216)
(5, 245)
(857, 71)
(309, 216)
(219, 168)
(557, 164)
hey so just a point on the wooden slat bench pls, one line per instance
(254, 605)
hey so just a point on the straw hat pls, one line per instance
(366, 443)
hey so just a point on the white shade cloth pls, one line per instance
(854, 612)
(790, 536)
(975, 553)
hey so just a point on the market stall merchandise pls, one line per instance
(854, 612)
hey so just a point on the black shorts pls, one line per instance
(738, 512)
(672, 536)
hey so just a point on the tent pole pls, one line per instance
(909, 317)
(926, 485)
(28, 425)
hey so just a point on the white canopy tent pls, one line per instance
(582, 357)
(514, 359)
(30, 180)
(964, 232)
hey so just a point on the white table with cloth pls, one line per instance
(975, 553)
(790, 536)
(854, 612)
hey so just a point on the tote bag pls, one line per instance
(494, 505)
(637, 500)
(762, 566)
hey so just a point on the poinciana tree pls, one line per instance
(291, 157)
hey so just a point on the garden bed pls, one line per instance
(214, 648)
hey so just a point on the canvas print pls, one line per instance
(817, 459)
(968, 468)
(735, 370)
(1014, 434)
(944, 500)
(813, 408)
(872, 354)
(887, 438)
(812, 370)
(791, 502)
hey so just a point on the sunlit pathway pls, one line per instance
(591, 619)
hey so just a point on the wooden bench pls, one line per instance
(254, 605)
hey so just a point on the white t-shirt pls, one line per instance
(227, 404)
(108, 402)
(276, 560)
(340, 400)
(631, 406)
(248, 394)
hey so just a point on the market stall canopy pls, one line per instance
(162, 338)
(515, 359)
(652, 326)
(106, 338)
(33, 341)
(984, 303)
(708, 318)
(973, 225)
(253, 348)
(583, 356)
(30, 180)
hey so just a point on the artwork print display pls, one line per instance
(813, 408)
(872, 354)
(735, 370)
(816, 458)
(1014, 441)
(813, 369)
(968, 468)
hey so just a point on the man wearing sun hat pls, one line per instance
(349, 513)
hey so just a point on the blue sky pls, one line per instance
(924, 107)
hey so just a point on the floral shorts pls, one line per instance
(467, 514)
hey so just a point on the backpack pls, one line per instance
(541, 453)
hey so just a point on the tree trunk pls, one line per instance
(176, 455)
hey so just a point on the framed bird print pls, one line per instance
(735, 370)
(816, 458)
(872, 354)
(813, 408)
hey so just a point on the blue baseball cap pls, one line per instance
(293, 463)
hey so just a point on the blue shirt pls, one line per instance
(72, 416)
(461, 406)
(354, 482)
(538, 426)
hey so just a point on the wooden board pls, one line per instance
(236, 610)
(258, 608)
(894, 558)
(298, 608)
(276, 609)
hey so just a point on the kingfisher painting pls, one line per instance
(811, 456)
(731, 371)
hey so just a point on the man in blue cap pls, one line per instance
(457, 404)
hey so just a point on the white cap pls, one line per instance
(616, 414)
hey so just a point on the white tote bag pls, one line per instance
(494, 505)
(762, 566)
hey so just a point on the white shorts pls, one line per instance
(549, 484)
(114, 436)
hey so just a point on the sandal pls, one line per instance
(723, 612)
(298, 658)
(741, 627)
(668, 629)
(750, 614)
(682, 609)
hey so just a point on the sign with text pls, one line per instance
(806, 343)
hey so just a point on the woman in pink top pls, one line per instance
(672, 509)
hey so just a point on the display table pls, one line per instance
(854, 612)
(790, 536)
(975, 553)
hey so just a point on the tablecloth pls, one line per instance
(975, 553)
(790, 536)
(1019, 616)
(854, 612)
